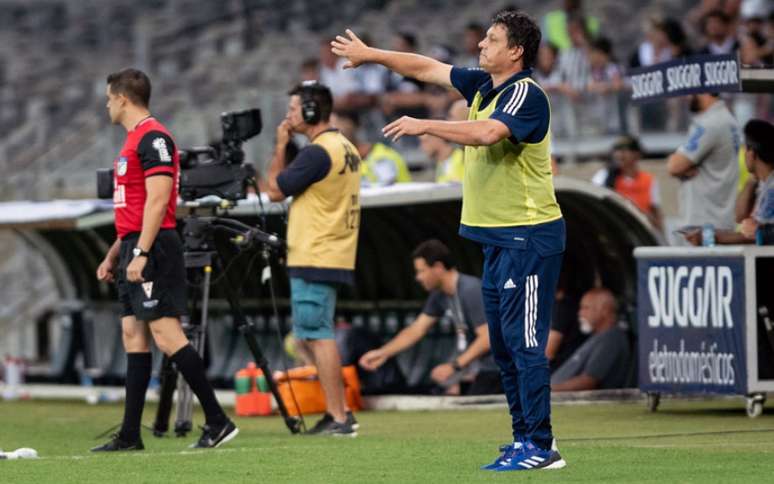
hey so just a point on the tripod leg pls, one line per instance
(183, 420)
(293, 423)
(196, 332)
(168, 382)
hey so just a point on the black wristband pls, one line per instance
(455, 364)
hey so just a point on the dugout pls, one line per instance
(72, 237)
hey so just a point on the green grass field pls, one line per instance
(684, 442)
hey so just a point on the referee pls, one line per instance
(146, 261)
(508, 206)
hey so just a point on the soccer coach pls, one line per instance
(508, 206)
(146, 261)
(323, 225)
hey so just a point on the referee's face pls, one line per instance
(496, 56)
(115, 106)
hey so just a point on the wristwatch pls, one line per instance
(138, 252)
(455, 364)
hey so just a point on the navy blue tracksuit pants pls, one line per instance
(518, 287)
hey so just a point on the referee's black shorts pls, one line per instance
(163, 294)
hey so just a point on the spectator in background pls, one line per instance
(381, 164)
(448, 158)
(627, 179)
(719, 32)
(605, 82)
(707, 164)
(653, 50)
(458, 111)
(574, 61)
(656, 46)
(757, 198)
(310, 70)
(372, 84)
(678, 41)
(756, 46)
(458, 297)
(332, 73)
(405, 96)
(474, 33)
(546, 71)
(605, 359)
(556, 24)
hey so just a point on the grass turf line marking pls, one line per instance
(666, 436)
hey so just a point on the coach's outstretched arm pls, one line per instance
(416, 66)
(482, 132)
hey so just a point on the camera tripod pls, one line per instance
(201, 258)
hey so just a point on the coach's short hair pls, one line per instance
(132, 83)
(522, 30)
(433, 251)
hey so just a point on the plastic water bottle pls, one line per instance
(708, 235)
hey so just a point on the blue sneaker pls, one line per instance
(532, 457)
(507, 451)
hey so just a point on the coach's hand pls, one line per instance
(442, 372)
(372, 360)
(105, 270)
(134, 269)
(404, 126)
(352, 48)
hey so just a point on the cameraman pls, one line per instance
(146, 260)
(324, 181)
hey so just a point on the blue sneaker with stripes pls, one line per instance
(507, 451)
(532, 457)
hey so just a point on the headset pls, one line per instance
(310, 110)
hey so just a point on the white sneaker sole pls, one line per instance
(556, 465)
(229, 437)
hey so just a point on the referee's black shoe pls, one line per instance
(216, 435)
(117, 444)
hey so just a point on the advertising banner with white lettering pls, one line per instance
(691, 329)
(690, 75)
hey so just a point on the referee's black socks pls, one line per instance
(191, 366)
(138, 373)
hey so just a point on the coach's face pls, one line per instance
(428, 276)
(293, 115)
(115, 105)
(495, 54)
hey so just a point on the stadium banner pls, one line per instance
(691, 331)
(689, 75)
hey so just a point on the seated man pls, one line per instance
(603, 361)
(564, 336)
(628, 180)
(453, 295)
(759, 158)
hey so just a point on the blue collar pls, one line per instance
(488, 92)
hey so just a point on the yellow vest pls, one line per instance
(451, 169)
(381, 153)
(325, 218)
(507, 184)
